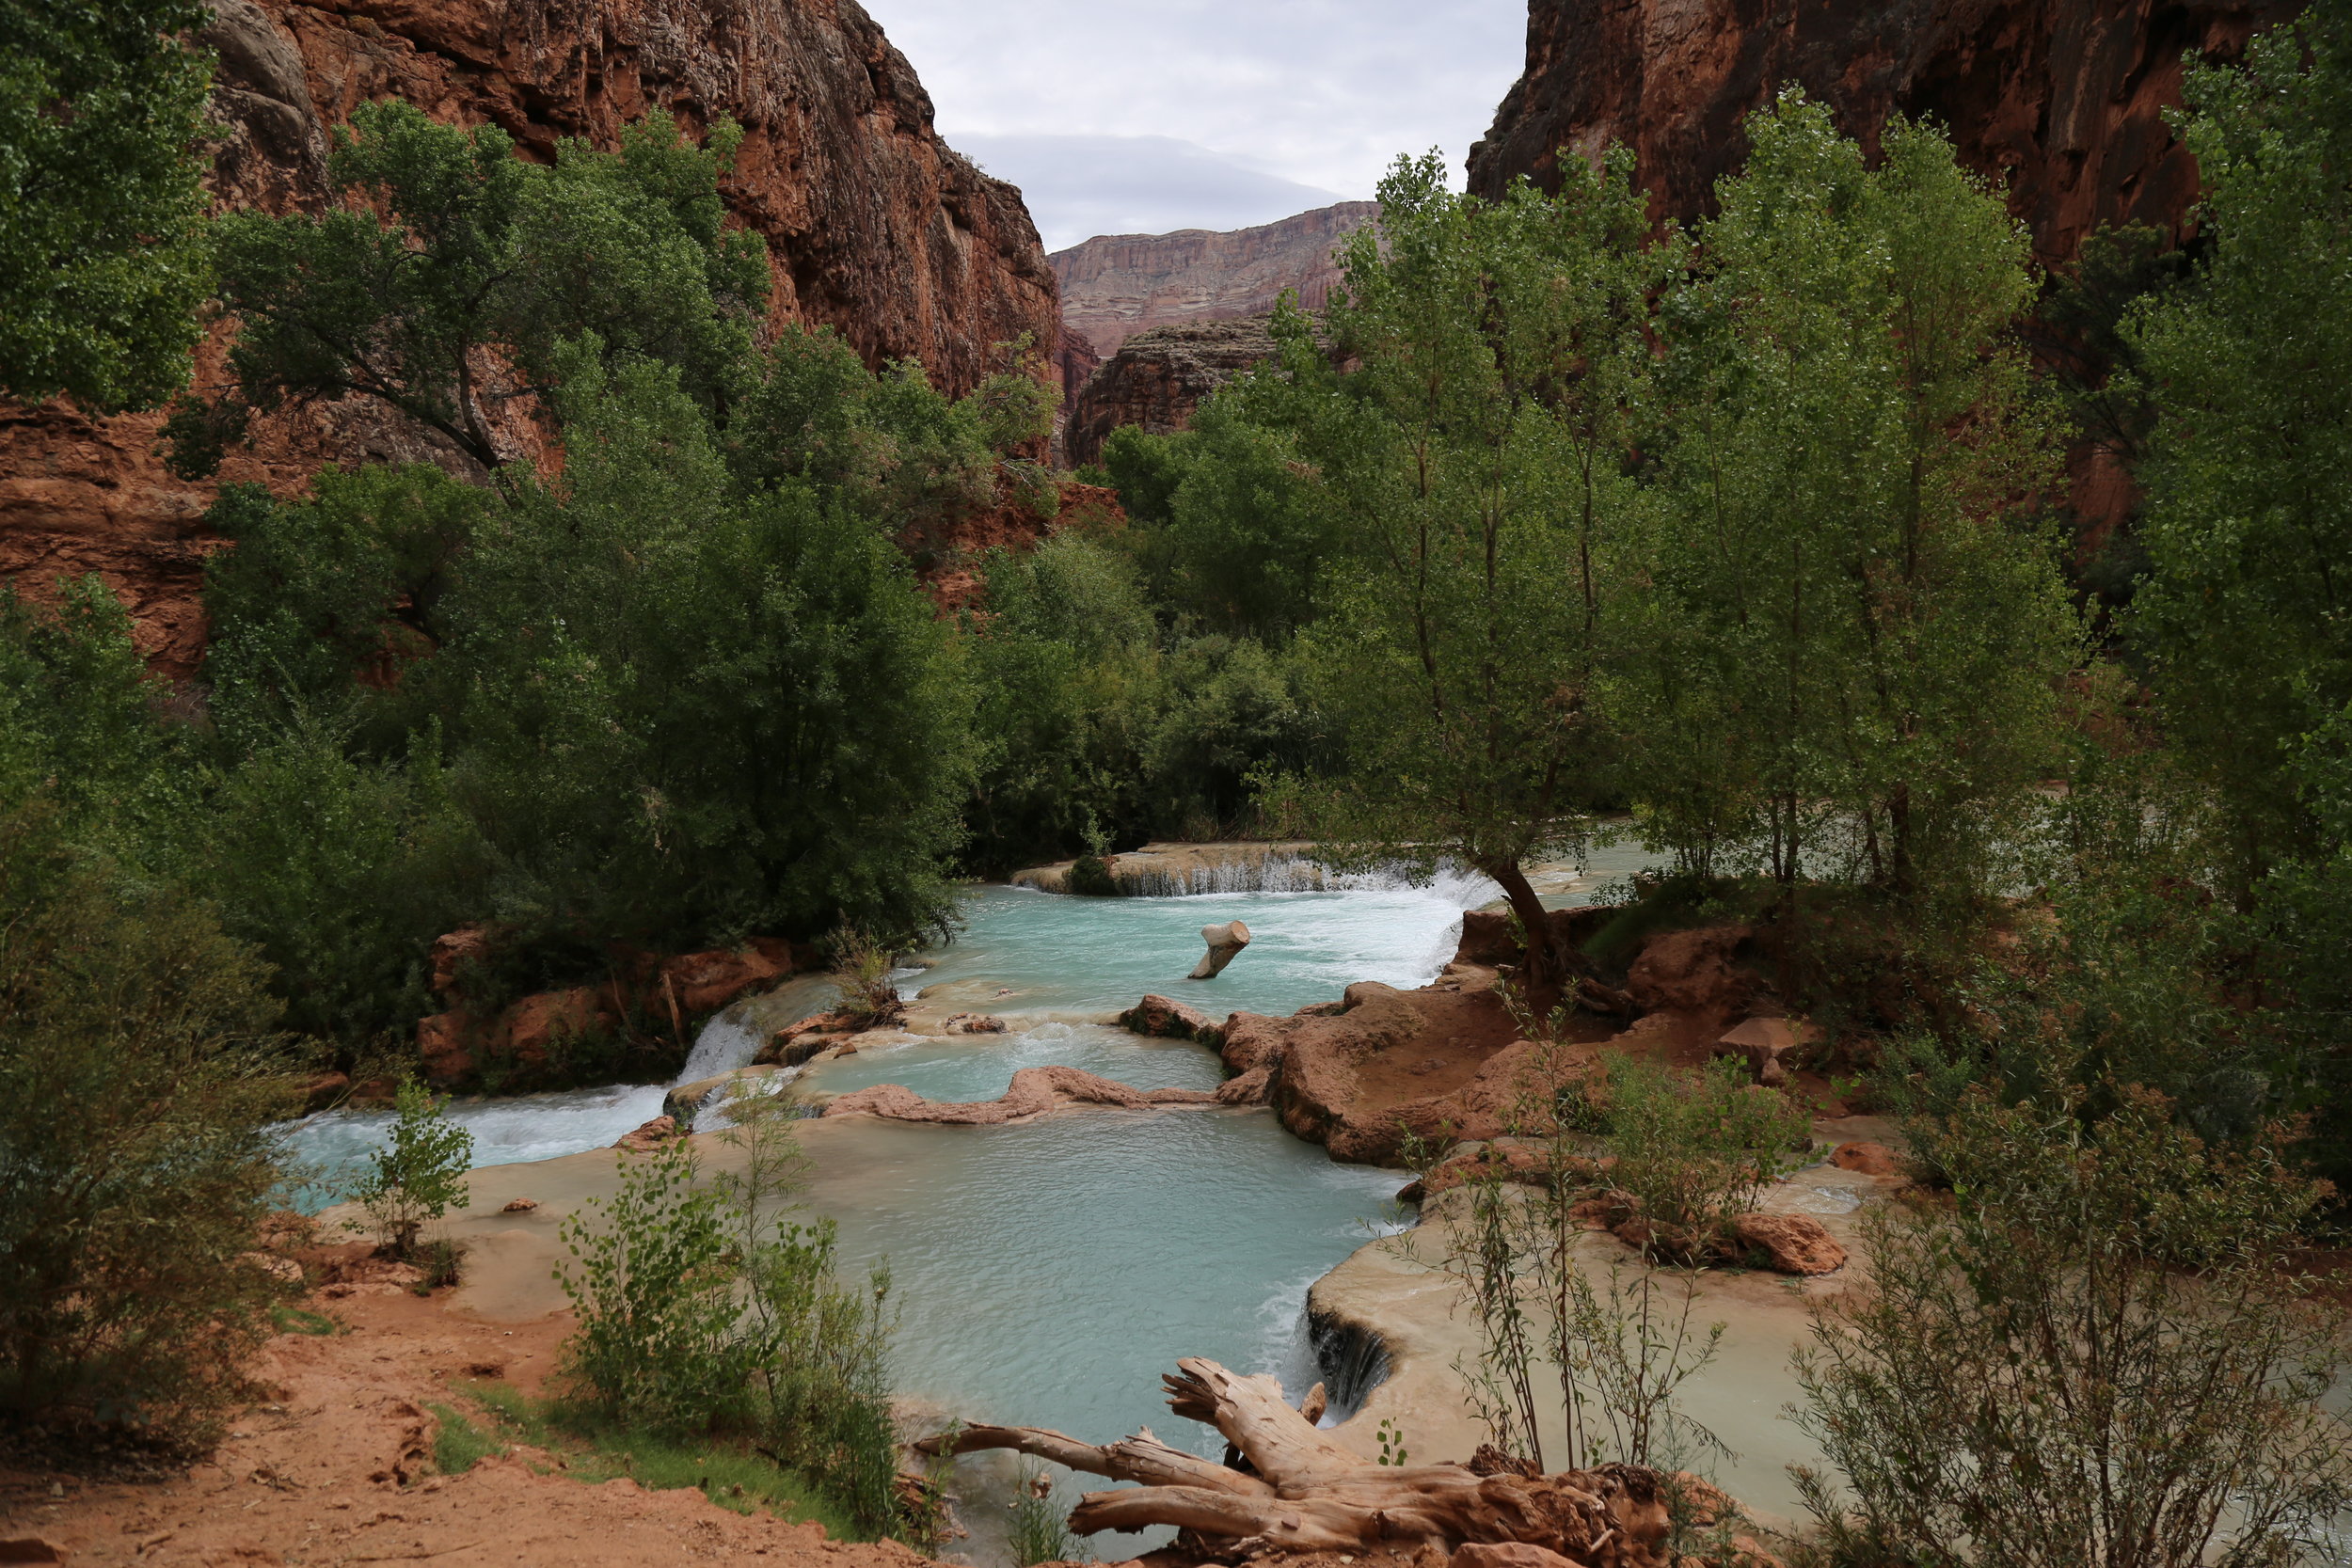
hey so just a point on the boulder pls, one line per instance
(1224, 941)
(326, 1090)
(1168, 1019)
(519, 1206)
(1490, 938)
(452, 953)
(974, 1024)
(1695, 972)
(649, 1136)
(1765, 1044)
(704, 982)
(539, 1026)
(1790, 1244)
(1865, 1159)
(445, 1043)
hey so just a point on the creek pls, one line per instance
(1048, 1272)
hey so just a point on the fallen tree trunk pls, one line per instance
(1292, 1489)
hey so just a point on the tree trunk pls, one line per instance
(1300, 1491)
(1548, 969)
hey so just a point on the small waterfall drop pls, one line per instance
(726, 1042)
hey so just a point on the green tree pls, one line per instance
(2248, 475)
(139, 1076)
(101, 254)
(447, 248)
(1860, 628)
(2097, 1354)
(1477, 456)
(420, 1173)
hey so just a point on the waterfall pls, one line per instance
(726, 1042)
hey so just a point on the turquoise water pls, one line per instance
(1050, 1273)
(1025, 951)
(980, 1067)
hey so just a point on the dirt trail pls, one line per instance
(336, 1469)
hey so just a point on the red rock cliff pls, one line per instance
(2064, 98)
(876, 226)
(1118, 285)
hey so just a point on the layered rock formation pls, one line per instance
(1158, 377)
(875, 227)
(1118, 285)
(2064, 102)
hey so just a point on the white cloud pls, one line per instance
(1320, 94)
(1077, 186)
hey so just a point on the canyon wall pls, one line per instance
(2063, 100)
(875, 226)
(1158, 377)
(1118, 285)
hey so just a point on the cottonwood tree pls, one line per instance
(1858, 628)
(2248, 474)
(101, 245)
(1473, 455)
(443, 282)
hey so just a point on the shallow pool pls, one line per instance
(1050, 1273)
(1029, 952)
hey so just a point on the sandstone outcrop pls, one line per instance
(1866, 1159)
(531, 1040)
(1165, 1018)
(1790, 1244)
(2064, 103)
(876, 228)
(1158, 377)
(1115, 286)
(1767, 1045)
(1697, 972)
(1034, 1091)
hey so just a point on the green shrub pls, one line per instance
(419, 1174)
(139, 1077)
(1041, 1529)
(2098, 1354)
(703, 1315)
(458, 1445)
(1694, 1153)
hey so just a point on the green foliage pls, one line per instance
(1850, 666)
(79, 724)
(702, 1312)
(2095, 1356)
(102, 251)
(419, 1174)
(448, 245)
(1040, 1530)
(458, 1445)
(138, 1074)
(1695, 1153)
(2248, 477)
(1477, 458)
(596, 1451)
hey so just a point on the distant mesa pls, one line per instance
(1153, 323)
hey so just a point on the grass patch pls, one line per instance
(730, 1475)
(300, 1319)
(458, 1445)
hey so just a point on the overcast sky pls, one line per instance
(1137, 117)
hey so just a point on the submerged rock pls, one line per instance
(1034, 1091)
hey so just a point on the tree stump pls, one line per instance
(1224, 941)
(1292, 1489)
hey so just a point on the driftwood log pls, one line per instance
(1290, 1489)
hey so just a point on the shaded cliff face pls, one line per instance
(1118, 285)
(2064, 100)
(1158, 377)
(875, 227)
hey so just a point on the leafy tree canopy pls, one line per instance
(102, 259)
